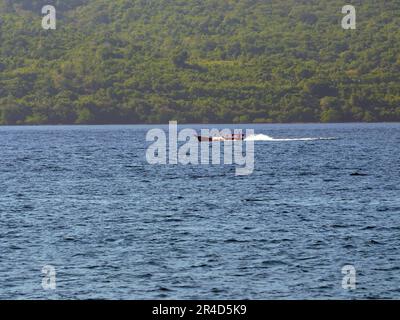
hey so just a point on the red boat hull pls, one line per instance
(233, 137)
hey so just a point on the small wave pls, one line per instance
(264, 137)
(161, 288)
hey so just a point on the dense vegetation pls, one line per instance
(150, 61)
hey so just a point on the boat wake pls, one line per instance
(264, 137)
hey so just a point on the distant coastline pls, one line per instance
(195, 124)
(146, 62)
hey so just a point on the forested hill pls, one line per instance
(207, 61)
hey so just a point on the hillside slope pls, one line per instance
(150, 61)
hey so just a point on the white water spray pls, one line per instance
(264, 137)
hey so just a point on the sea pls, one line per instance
(84, 215)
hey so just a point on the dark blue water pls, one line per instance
(84, 200)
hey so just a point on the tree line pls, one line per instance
(198, 61)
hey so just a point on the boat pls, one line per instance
(227, 137)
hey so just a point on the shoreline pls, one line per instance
(194, 124)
